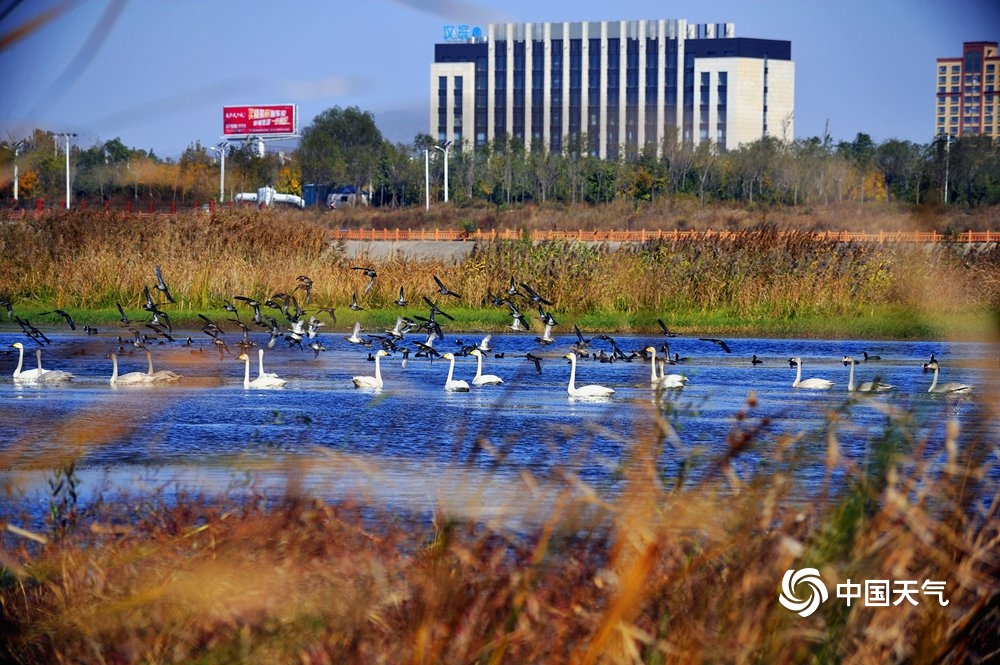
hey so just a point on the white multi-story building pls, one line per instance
(621, 85)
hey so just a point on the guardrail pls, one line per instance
(611, 235)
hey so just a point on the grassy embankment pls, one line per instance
(763, 283)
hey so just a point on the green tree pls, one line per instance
(341, 146)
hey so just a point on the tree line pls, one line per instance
(343, 146)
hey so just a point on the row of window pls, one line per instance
(955, 69)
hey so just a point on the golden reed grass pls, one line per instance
(91, 260)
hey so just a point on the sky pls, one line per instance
(156, 74)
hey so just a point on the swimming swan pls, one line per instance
(950, 387)
(481, 379)
(164, 375)
(260, 365)
(28, 376)
(659, 379)
(129, 378)
(450, 384)
(260, 381)
(812, 384)
(371, 381)
(37, 375)
(875, 386)
(592, 390)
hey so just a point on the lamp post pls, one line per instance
(444, 148)
(67, 136)
(221, 149)
(947, 159)
(427, 179)
(17, 151)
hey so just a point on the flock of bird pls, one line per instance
(301, 328)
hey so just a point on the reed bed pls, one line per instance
(83, 261)
(669, 569)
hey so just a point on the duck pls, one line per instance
(129, 378)
(929, 365)
(952, 387)
(875, 386)
(162, 376)
(659, 379)
(868, 357)
(39, 375)
(481, 379)
(450, 384)
(261, 382)
(754, 360)
(374, 382)
(592, 390)
(810, 384)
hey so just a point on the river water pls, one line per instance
(414, 442)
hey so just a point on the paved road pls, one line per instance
(409, 249)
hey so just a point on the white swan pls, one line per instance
(481, 379)
(39, 375)
(164, 375)
(450, 384)
(129, 378)
(27, 376)
(875, 386)
(950, 387)
(812, 384)
(592, 390)
(371, 381)
(260, 366)
(661, 380)
(260, 381)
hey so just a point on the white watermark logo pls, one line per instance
(877, 593)
(817, 591)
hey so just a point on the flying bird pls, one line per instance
(444, 290)
(665, 329)
(354, 303)
(720, 342)
(161, 285)
(401, 300)
(535, 298)
(370, 273)
(306, 285)
(69, 319)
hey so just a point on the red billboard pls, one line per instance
(263, 120)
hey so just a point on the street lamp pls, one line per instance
(427, 179)
(67, 136)
(947, 159)
(444, 148)
(221, 149)
(17, 151)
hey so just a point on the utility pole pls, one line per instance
(17, 151)
(221, 149)
(67, 136)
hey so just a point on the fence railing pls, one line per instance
(642, 235)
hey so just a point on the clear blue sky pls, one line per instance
(156, 73)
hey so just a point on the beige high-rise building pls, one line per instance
(623, 86)
(968, 92)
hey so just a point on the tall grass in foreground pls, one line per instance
(83, 260)
(677, 568)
